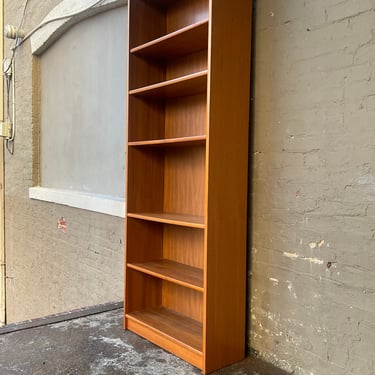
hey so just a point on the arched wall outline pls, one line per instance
(41, 40)
(48, 34)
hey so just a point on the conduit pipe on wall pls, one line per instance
(2, 212)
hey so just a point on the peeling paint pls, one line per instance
(270, 316)
(274, 281)
(290, 286)
(314, 245)
(296, 256)
(62, 224)
(314, 260)
(291, 255)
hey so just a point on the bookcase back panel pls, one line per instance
(182, 300)
(170, 118)
(150, 72)
(184, 245)
(184, 172)
(170, 180)
(146, 72)
(185, 116)
(148, 241)
(147, 119)
(185, 12)
(194, 62)
(142, 32)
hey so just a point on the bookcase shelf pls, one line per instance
(175, 332)
(171, 218)
(182, 86)
(171, 142)
(187, 163)
(176, 326)
(181, 274)
(192, 38)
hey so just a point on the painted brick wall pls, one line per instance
(313, 188)
(49, 271)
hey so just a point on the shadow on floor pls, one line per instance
(97, 345)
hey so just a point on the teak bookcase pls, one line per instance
(187, 164)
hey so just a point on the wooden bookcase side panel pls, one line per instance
(184, 301)
(184, 176)
(225, 303)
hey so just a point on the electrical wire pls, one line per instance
(9, 143)
(21, 24)
(46, 22)
(10, 69)
(10, 84)
(10, 88)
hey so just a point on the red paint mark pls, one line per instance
(62, 224)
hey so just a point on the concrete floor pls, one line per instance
(97, 345)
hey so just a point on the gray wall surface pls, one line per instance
(313, 189)
(49, 271)
(83, 89)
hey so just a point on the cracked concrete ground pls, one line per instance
(97, 345)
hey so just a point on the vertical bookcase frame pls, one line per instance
(187, 163)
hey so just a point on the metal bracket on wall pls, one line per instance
(6, 129)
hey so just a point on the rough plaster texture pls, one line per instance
(49, 271)
(313, 188)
